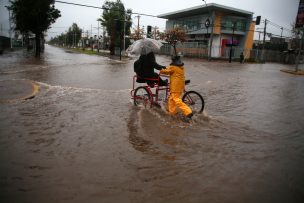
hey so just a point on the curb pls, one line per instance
(35, 89)
(300, 72)
(15, 90)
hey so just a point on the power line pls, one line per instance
(104, 8)
(277, 26)
(142, 14)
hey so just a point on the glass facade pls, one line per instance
(190, 24)
(197, 23)
(239, 24)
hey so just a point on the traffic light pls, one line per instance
(258, 20)
(149, 31)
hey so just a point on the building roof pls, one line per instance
(197, 10)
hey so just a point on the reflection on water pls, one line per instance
(82, 140)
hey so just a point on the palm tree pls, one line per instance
(114, 18)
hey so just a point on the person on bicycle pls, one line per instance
(177, 86)
(145, 69)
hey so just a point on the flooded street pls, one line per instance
(81, 139)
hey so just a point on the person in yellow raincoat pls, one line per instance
(177, 86)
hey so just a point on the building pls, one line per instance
(220, 28)
(4, 25)
(9, 37)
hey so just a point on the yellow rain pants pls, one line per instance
(176, 101)
(177, 86)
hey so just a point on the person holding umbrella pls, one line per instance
(148, 64)
(145, 65)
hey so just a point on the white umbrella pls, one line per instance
(144, 46)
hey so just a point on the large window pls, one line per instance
(191, 24)
(238, 24)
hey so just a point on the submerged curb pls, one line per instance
(14, 90)
(300, 72)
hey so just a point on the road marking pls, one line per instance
(24, 94)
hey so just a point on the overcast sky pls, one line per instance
(280, 12)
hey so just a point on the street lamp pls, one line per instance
(230, 53)
(207, 24)
(97, 35)
(282, 46)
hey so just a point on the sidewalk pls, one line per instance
(14, 90)
(299, 72)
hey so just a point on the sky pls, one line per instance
(280, 12)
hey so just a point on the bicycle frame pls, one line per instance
(154, 98)
(144, 94)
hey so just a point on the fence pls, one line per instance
(198, 50)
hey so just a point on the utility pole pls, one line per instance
(124, 30)
(257, 54)
(282, 45)
(97, 36)
(155, 30)
(82, 38)
(138, 17)
(230, 53)
(91, 38)
(300, 49)
(103, 38)
(264, 39)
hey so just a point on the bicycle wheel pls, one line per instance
(195, 101)
(141, 96)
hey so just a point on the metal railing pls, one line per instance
(198, 50)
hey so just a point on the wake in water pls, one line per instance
(177, 121)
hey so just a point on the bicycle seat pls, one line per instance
(140, 80)
(187, 82)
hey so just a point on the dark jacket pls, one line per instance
(148, 63)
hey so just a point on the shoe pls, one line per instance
(157, 105)
(189, 115)
(186, 119)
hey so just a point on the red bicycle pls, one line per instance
(152, 95)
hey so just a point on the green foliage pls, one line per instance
(34, 16)
(113, 17)
(73, 35)
(71, 38)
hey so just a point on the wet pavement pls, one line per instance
(12, 90)
(80, 139)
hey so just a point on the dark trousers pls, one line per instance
(161, 81)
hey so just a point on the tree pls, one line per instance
(173, 36)
(156, 34)
(73, 35)
(137, 34)
(114, 18)
(34, 16)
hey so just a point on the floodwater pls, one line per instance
(82, 140)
